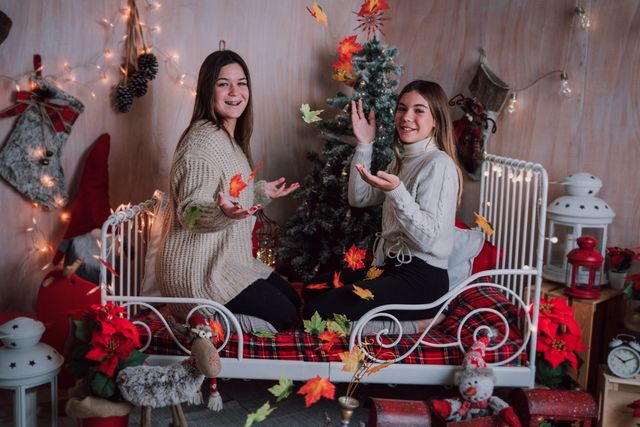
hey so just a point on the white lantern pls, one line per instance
(578, 213)
(27, 365)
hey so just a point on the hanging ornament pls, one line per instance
(137, 69)
(370, 17)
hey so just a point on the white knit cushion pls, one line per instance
(466, 246)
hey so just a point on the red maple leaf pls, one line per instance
(317, 286)
(371, 7)
(315, 388)
(336, 280)
(354, 257)
(330, 338)
(348, 46)
(236, 185)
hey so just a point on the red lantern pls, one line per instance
(584, 269)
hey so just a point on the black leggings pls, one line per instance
(272, 299)
(414, 283)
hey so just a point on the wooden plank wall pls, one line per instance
(597, 130)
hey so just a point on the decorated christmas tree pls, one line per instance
(324, 226)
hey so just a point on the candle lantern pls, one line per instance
(584, 269)
(575, 214)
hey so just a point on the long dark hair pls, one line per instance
(205, 98)
(443, 127)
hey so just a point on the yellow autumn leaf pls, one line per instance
(483, 223)
(373, 273)
(362, 293)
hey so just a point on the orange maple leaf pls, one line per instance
(315, 388)
(348, 46)
(343, 71)
(217, 330)
(484, 224)
(373, 273)
(372, 370)
(354, 257)
(352, 359)
(317, 286)
(236, 185)
(371, 7)
(254, 171)
(330, 338)
(336, 280)
(362, 293)
(318, 13)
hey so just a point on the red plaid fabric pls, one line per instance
(298, 345)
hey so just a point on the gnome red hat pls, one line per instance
(475, 356)
(91, 206)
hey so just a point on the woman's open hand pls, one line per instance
(363, 129)
(382, 180)
(278, 188)
(235, 210)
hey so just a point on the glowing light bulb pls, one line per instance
(565, 90)
(108, 53)
(181, 80)
(65, 216)
(583, 19)
(511, 106)
(47, 181)
(107, 23)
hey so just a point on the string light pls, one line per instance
(583, 19)
(513, 100)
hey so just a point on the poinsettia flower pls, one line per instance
(560, 348)
(318, 13)
(330, 338)
(336, 280)
(236, 185)
(352, 360)
(555, 312)
(362, 293)
(109, 350)
(315, 388)
(317, 286)
(354, 257)
(373, 273)
(371, 7)
(348, 46)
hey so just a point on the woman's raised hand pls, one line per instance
(235, 210)
(278, 188)
(363, 129)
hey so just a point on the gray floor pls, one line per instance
(243, 397)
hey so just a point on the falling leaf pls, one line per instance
(192, 215)
(217, 330)
(315, 325)
(354, 257)
(315, 388)
(352, 360)
(339, 324)
(260, 415)
(254, 171)
(343, 71)
(109, 267)
(236, 185)
(282, 390)
(317, 286)
(376, 368)
(318, 13)
(336, 280)
(483, 223)
(371, 7)
(348, 46)
(310, 116)
(263, 334)
(373, 273)
(330, 338)
(362, 293)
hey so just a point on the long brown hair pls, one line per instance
(205, 99)
(443, 127)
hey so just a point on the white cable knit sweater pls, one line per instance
(418, 217)
(213, 259)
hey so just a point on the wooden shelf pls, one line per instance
(614, 394)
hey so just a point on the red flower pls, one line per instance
(109, 349)
(556, 312)
(560, 347)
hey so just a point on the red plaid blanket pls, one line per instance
(301, 346)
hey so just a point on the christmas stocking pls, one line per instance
(30, 159)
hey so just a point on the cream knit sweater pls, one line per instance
(213, 259)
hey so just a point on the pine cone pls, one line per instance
(123, 98)
(138, 84)
(148, 65)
